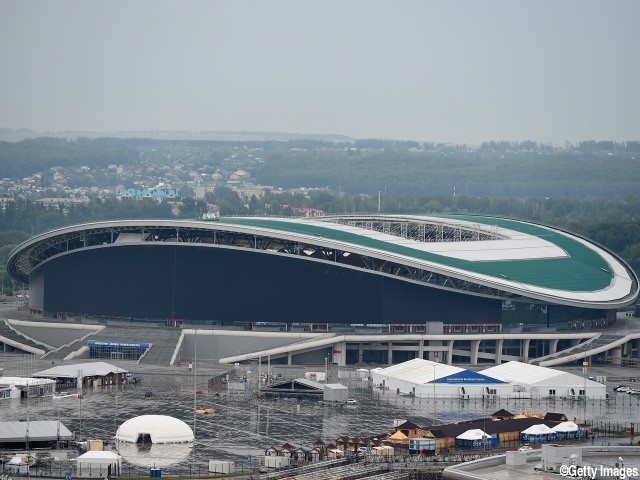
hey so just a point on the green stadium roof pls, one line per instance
(524, 259)
(585, 267)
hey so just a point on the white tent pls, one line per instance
(476, 439)
(566, 427)
(545, 382)
(424, 378)
(568, 430)
(156, 429)
(96, 463)
(156, 455)
(539, 429)
(18, 464)
(473, 434)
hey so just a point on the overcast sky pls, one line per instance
(450, 71)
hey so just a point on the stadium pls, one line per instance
(398, 273)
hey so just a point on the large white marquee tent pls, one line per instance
(423, 378)
(426, 379)
(546, 382)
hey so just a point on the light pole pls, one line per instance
(434, 393)
(326, 367)
(484, 432)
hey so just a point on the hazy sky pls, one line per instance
(452, 71)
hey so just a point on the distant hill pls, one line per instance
(11, 135)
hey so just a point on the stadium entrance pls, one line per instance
(117, 350)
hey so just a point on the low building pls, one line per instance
(422, 446)
(408, 428)
(16, 387)
(94, 374)
(335, 392)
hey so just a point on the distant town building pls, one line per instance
(248, 190)
(308, 212)
(199, 191)
(159, 195)
(62, 202)
(213, 212)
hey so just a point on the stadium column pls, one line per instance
(525, 350)
(553, 345)
(499, 351)
(390, 353)
(343, 357)
(421, 347)
(615, 354)
(475, 347)
(450, 353)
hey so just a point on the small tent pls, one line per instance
(98, 463)
(18, 465)
(476, 439)
(399, 437)
(539, 433)
(568, 431)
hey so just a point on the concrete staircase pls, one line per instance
(162, 348)
(21, 341)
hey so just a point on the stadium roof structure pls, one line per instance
(475, 255)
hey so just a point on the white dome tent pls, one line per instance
(154, 429)
(157, 455)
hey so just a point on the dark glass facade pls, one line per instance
(196, 282)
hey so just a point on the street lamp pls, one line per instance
(326, 367)
(434, 393)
